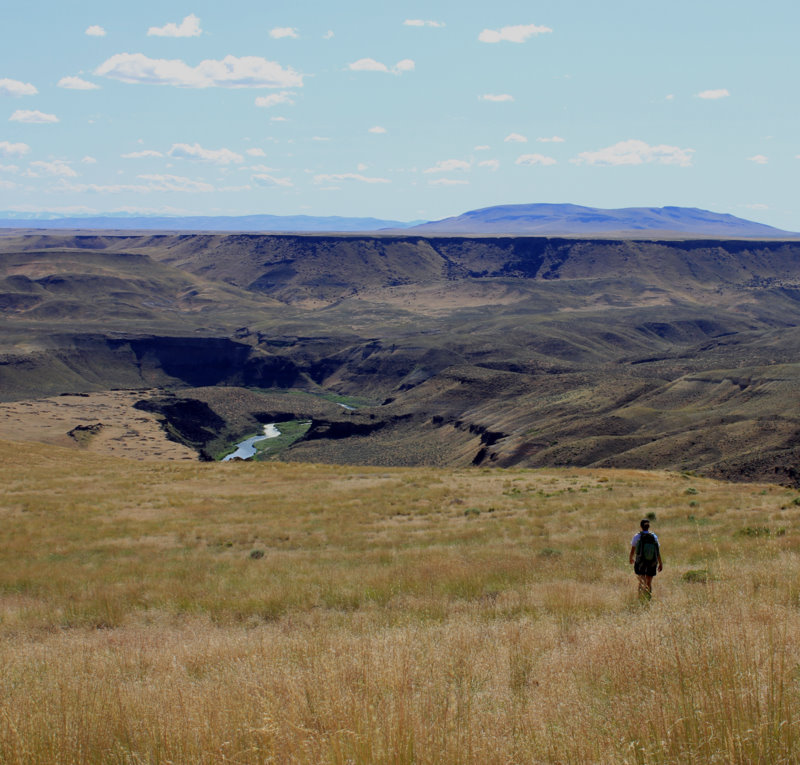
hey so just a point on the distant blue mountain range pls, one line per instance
(202, 223)
(566, 220)
(530, 219)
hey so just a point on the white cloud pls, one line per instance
(554, 139)
(16, 88)
(483, 147)
(348, 177)
(280, 32)
(152, 183)
(759, 159)
(492, 164)
(87, 160)
(273, 99)
(447, 182)
(278, 119)
(371, 65)
(57, 167)
(328, 35)
(266, 181)
(714, 94)
(496, 97)
(448, 165)
(95, 31)
(529, 160)
(175, 183)
(8, 149)
(189, 27)
(516, 34)
(76, 83)
(757, 206)
(32, 117)
(361, 167)
(515, 138)
(258, 169)
(378, 130)
(196, 152)
(8, 185)
(320, 138)
(230, 72)
(423, 23)
(142, 154)
(634, 152)
(9, 169)
(255, 153)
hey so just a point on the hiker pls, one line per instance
(645, 558)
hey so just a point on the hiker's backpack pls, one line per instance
(647, 548)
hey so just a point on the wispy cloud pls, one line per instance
(515, 138)
(378, 130)
(32, 117)
(448, 182)
(255, 152)
(77, 83)
(189, 27)
(95, 31)
(175, 183)
(229, 72)
(635, 152)
(423, 23)
(17, 88)
(496, 97)
(371, 65)
(554, 139)
(143, 154)
(274, 99)
(448, 165)
(265, 180)
(57, 168)
(529, 160)
(492, 164)
(759, 159)
(516, 34)
(279, 33)
(333, 177)
(8, 149)
(196, 152)
(713, 95)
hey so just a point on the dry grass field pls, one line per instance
(185, 612)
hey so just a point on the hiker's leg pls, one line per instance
(648, 584)
(644, 587)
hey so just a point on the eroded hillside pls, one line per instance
(485, 351)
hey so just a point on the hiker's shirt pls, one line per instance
(638, 534)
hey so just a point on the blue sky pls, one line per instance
(399, 110)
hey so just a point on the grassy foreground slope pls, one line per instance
(250, 613)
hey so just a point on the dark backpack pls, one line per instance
(647, 548)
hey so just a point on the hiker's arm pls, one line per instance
(660, 564)
(633, 552)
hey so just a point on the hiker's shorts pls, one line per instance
(641, 568)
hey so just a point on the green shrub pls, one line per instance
(753, 531)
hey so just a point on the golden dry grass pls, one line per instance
(396, 616)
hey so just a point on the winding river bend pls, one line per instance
(247, 449)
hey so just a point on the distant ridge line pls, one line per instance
(539, 219)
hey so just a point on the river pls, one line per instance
(246, 449)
